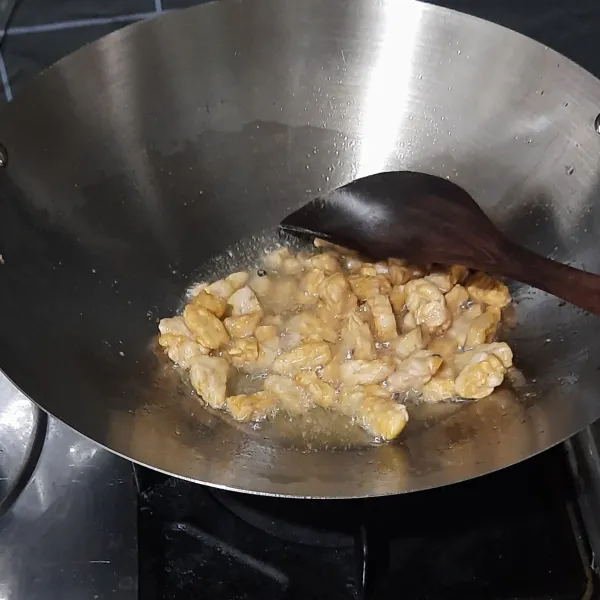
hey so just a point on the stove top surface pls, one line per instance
(513, 534)
(68, 519)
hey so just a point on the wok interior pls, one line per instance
(119, 193)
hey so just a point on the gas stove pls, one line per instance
(516, 534)
(78, 522)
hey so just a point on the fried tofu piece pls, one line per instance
(214, 304)
(445, 346)
(195, 289)
(440, 387)
(173, 331)
(377, 390)
(335, 293)
(398, 299)
(456, 299)
(309, 355)
(225, 287)
(207, 329)
(275, 320)
(252, 407)
(426, 303)
(321, 393)
(414, 372)
(409, 343)
(328, 262)
(399, 272)
(308, 327)
(501, 350)
(178, 341)
(374, 269)
(331, 371)
(384, 321)
(445, 278)
(293, 398)
(408, 323)
(309, 286)
(243, 325)
(483, 328)
(487, 290)
(363, 372)
(261, 285)
(269, 344)
(283, 296)
(357, 339)
(243, 353)
(329, 316)
(365, 287)
(208, 375)
(184, 353)
(461, 324)
(292, 266)
(480, 377)
(244, 302)
(383, 419)
(174, 326)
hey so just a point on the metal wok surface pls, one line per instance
(118, 189)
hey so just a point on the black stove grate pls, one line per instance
(510, 535)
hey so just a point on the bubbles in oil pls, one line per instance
(247, 255)
(318, 429)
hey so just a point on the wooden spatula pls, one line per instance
(426, 219)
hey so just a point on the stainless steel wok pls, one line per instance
(135, 160)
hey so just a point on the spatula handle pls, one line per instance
(573, 285)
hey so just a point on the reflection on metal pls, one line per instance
(22, 433)
(387, 101)
(583, 451)
(68, 524)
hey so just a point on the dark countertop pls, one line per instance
(43, 31)
(570, 28)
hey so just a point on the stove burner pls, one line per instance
(232, 552)
(313, 523)
(509, 535)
